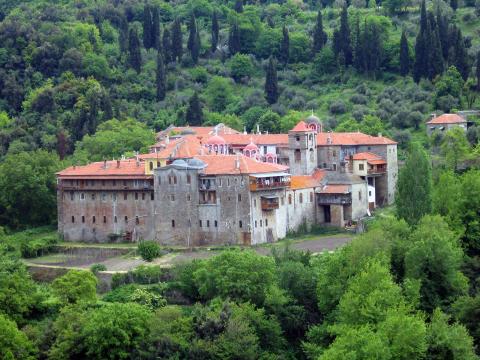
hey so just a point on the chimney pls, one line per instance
(104, 164)
(137, 159)
(258, 129)
(237, 163)
(118, 164)
(379, 134)
(167, 140)
(245, 130)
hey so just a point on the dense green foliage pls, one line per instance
(149, 250)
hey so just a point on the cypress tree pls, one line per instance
(177, 40)
(147, 27)
(374, 49)
(271, 82)
(423, 17)
(284, 47)
(194, 115)
(454, 4)
(420, 66)
(234, 39)
(134, 55)
(161, 78)
(123, 35)
(359, 58)
(414, 192)
(460, 55)
(193, 39)
(319, 35)
(442, 26)
(404, 55)
(478, 71)
(156, 33)
(215, 30)
(166, 46)
(238, 7)
(342, 38)
(435, 57)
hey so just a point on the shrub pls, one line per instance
(96, 268)
(240, 66)
(149, 250)
(38, 247)
(338, 107)
(359, 99)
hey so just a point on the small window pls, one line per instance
(298, 155)
(104, 196)
(334, 167)
(334, 153)
(208, 223)
(126, 219)
(172, 197)
(93, 196)
(125, 195)
(216, 223)
(254, 202)
(283, 200)
(173, 223)
(83, 219)
(103, 182)
(114, 182)
(169, 180)
(361, 167)
(189, 179)
(158, 163)
(239, 197)
(174, 179)
(137, 220)
(369, 193)
(151, 165)
(266, 222)
(219, 182)
(136, 196)
(228, 181)
(73, 219)
(359, 195)
(255, 223)
(240, 224)
(72, 195)
(297, 138)
(143, 196)
(260, 223)
(93, 219)
(152, 196)
(115, 219)
(104, 219)
(188, 197)
(124, 182)
(114, 196)
(289, 199)
(301, 198)
(311, 196)
(200, 223)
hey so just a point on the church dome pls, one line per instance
(216, 140)
(251, 147)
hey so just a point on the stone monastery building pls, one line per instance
(214, 185)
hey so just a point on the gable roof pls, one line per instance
(258, 139)
(447, 119)
(351, 138)
(225, 165)
(199, 131)
(304, 181)
(124, 169)
(300, 127)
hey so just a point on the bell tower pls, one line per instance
(302, 144)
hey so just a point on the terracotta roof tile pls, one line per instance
(366, 156)
(258, 139)
(301, 126)
(447, 119)
(355, 138)
(304, 181)
(199, 131)
(335, 189)
(225, 165)
(115, 168)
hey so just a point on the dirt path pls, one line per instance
(119, 263)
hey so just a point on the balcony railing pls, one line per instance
(255, 186)
(377, 170)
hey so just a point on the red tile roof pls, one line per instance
(335, 189)
(301, 126)
(200, 131)
(304, 182)
(185, 147)
(113, 169)
(258, 139)
(355, 138)
(225, 165)
(366, 156)
(447, 119)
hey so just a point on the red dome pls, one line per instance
(216, 140)
(251, 147)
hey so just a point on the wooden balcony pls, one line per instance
(269, 203)
(377, 169)
(264, 185)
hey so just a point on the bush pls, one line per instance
(149, 250)
(96, 268)
(240, 66)
(359, 99)
(38, 247)
(141, 275)
(338, 107)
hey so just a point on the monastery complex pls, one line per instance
(215, 185)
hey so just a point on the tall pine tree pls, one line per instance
(319, 35)
(147, 27)
(167, 46)
(234, 39)
(156, 32)
(194, 114)
(193, 39)
(134, 54)
(161, 81)
(284, 47)
(123, 35)
(414, 187)
(215, 30)
(442, 24)
(435, 56)
(459, 52)
(420, 66)
(177, 40)
(404, 55)
(271, 82)
(341, 38)
(358, 50)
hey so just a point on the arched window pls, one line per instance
(301, 198)
(73, 219)
(289, 199)
(151, 165)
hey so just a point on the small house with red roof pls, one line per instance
(446, 122)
